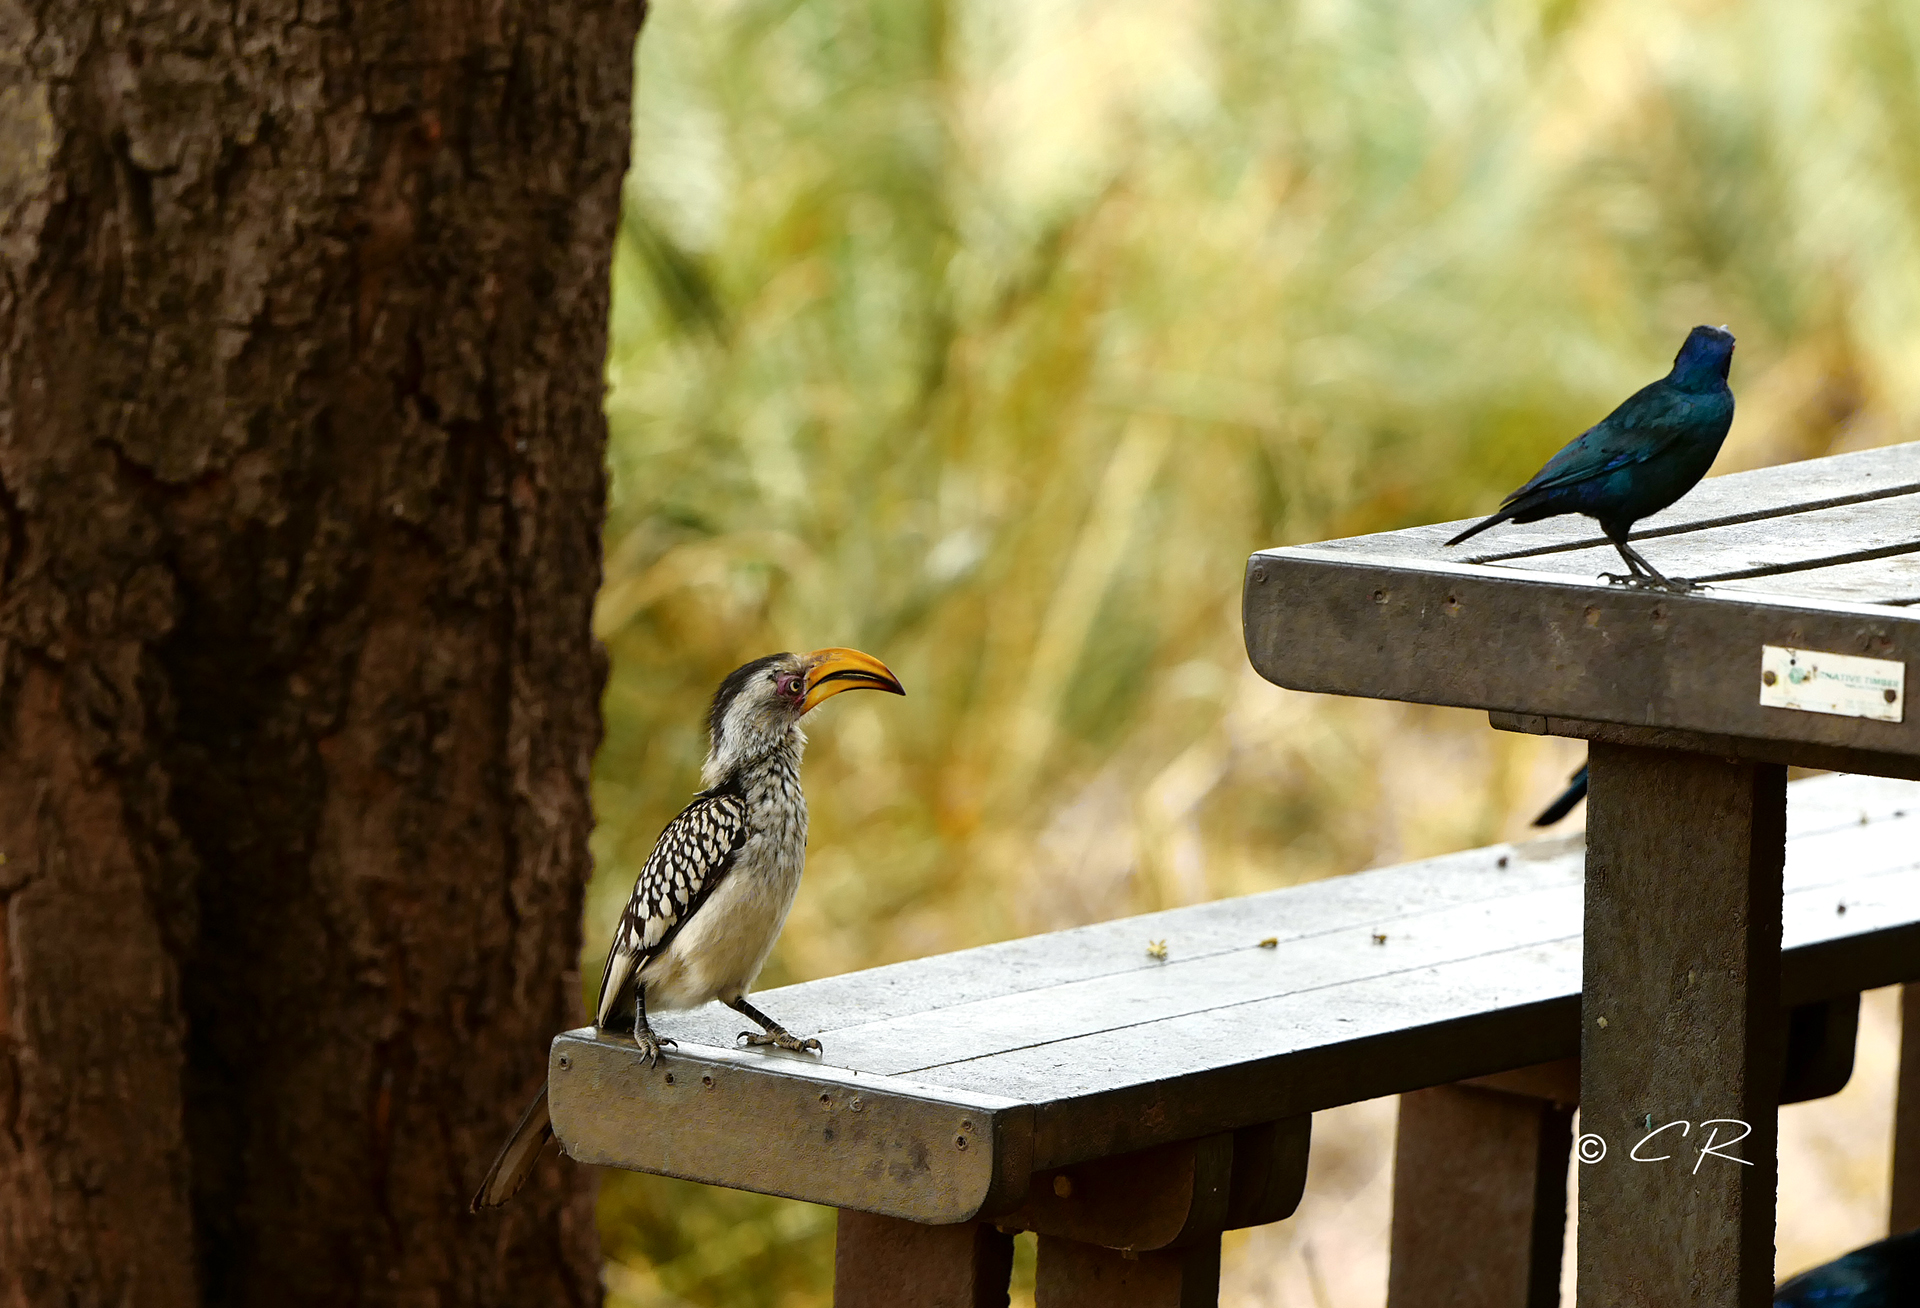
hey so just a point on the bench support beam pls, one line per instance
(884, 1262)
(1904, 1211)
(1075, 1275)
(1479, 1200)
(1680, 1023)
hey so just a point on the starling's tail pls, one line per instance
(1505, 515)
(1562, 806)
(517, 1157)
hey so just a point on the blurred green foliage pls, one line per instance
(990, 337)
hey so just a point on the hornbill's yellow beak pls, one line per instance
(830, 671)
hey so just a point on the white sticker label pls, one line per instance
(1814, 681)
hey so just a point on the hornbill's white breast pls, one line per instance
(711, 900)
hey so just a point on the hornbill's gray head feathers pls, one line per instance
(759, 706)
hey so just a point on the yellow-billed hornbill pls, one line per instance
(710, 901)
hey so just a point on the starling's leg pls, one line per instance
(1645, 574)
(651, 1045)
(1634, 575)
(1654, 577)
(776, 1035)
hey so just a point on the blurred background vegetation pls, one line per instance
(991, 336)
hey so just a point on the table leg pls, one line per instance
(1903, 1213)
(1075, 1275)
(884, 1262)
(1479, 1200)
(1680, 1023)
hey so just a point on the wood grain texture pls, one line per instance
(883, 1262)
(1561, 647)
(1151, 1199)
(1479, 1200)
(1763, 495)
(302, 313)
(1477, 971)
(1074, 1275)
(1820, 555)
(1797, 544)
(1903, 1209)
(1680, 1024)
(1796, 753)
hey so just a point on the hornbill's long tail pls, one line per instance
(517, 1157)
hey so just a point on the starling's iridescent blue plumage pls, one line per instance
(1882, 1275)
(1640, 458)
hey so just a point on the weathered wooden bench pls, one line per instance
(1129, 1109)
(1796, 654)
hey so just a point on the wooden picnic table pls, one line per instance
(1129, 1108)
(1694, 704)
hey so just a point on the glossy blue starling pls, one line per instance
(1638, 459)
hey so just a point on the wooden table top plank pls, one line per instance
(1892, 581)
(1753, 551)
(1566, 650)
(1764, 495)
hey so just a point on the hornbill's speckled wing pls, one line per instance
(695, 851)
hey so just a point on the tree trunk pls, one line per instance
(302, 321)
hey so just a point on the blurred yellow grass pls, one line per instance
(992, 337)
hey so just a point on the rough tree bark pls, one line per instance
(302, 319)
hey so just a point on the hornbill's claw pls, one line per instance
(781, 1040)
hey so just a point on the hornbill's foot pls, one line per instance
(781, 1038)
(653, 1047)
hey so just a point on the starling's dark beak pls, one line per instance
(830, 671)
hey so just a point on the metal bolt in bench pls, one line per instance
(1130, 1109)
